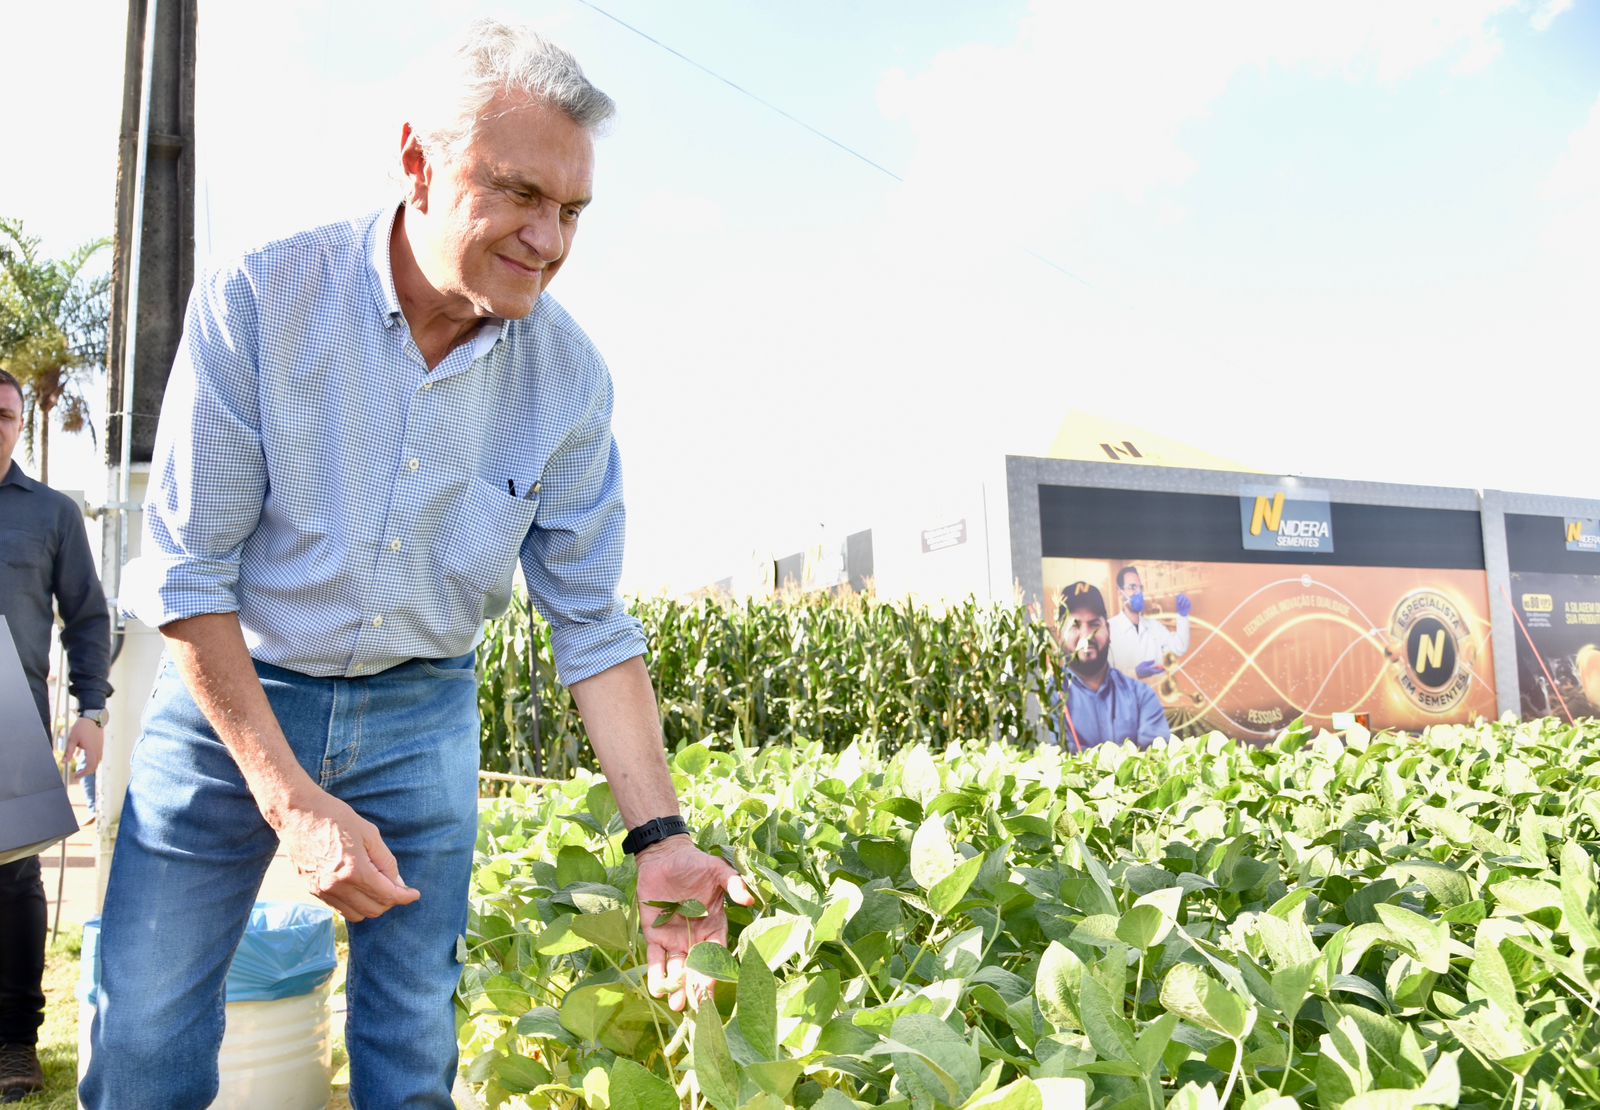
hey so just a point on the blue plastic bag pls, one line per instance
(287, 951)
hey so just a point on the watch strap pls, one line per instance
(653, 831)
(98, 716)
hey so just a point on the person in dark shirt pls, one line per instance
(44, 564)
(1102, 704)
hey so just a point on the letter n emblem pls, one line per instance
(1269, 512)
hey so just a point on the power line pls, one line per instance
(736, 87)
(819, 133)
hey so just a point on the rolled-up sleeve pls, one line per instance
(572, 558)
(85, 620)
(208, 475)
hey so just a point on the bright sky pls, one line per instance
(1353, 239)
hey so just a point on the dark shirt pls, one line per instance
(1122, 709)
(44, 563)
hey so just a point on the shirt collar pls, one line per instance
(380, 273)
(15, 477)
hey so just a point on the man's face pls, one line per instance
(10, 424)
(1086, 638)
(499, 216)
(1130, 586)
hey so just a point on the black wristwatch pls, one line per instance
(653, 831)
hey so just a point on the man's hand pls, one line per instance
(342, 858)
(88, 738)
(1149, 668)
(676, 871)
(1185, 606)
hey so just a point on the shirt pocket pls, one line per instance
(487, 535)
(24, 558)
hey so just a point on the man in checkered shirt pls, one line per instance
(366, 426)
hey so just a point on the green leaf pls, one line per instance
(713, 1063)
(609, 1013)
(1445, 884)
(845, 898)
(1143, 927)
(1291, 986)
(919, 775)
(1429, 941)
(693, 760)
(947, 893)
(601, 804)
(1195, 996)
(932, 856)
(1525, 896)
(1495, 1035)
(1490, 974)
(758, 1006)
(612, 930)
(1152, 1043)
(519, 1075)
(886, 858)
(778, 937)
(1342, 1071)
(640, 1089)
(941, 1050)
(543, 1023)
(711, 959)
(575, 864)
(559, 939)
(775, 1077)
(1058, 986)
(1108, 1030)
(509, 996)
(1579, 912)
(1020, 1094)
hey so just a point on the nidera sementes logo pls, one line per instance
(1431, 639)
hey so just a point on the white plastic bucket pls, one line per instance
(275, 1055)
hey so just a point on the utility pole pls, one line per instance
(152, 271)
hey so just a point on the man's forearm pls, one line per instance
(216, 666)
(619, 712)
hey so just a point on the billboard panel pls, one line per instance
(1264, 644)
(1558, 643)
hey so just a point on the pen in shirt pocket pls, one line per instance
(533, 490)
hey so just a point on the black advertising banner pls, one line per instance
(1558, 643)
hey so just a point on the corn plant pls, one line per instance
(824, 668)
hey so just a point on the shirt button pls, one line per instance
(427, 385)
(413, 464)
(394, 545)
(377, 622)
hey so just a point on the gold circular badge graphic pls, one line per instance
(1429, 640)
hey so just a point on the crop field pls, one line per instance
(1360, 921)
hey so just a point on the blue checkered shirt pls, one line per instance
(353, 508)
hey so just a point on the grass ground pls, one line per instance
(58, 1039)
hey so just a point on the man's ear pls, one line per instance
(416, 167)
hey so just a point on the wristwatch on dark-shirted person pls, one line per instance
(653, 831)
(98, 716)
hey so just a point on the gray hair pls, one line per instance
(498, 59)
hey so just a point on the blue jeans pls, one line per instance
(401, 748)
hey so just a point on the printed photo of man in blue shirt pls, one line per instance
(1102, 704)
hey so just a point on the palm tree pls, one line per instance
(53, 327)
